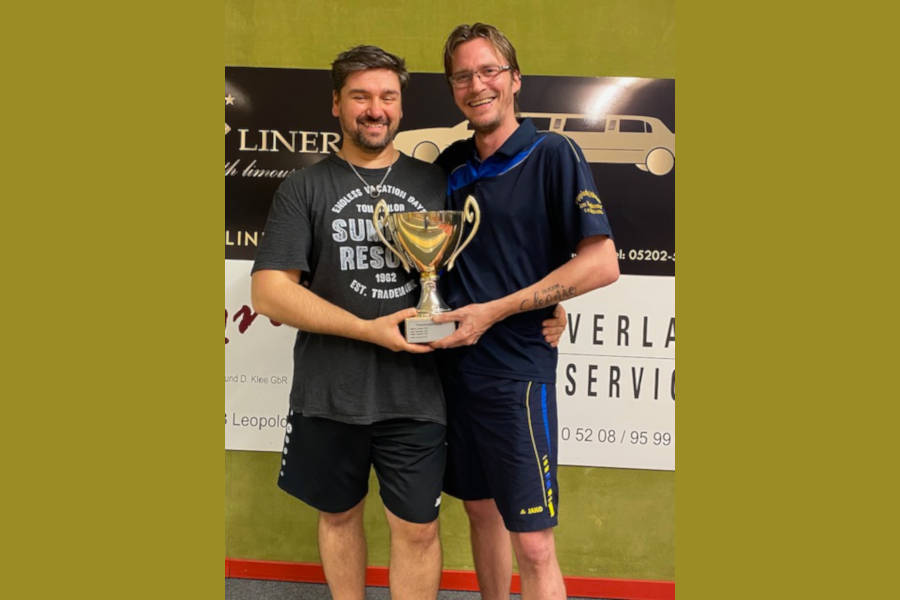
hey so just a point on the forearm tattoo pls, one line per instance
(552, 295)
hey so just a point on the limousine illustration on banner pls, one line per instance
(643, 141)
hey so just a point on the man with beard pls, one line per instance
(362, 396)
(543, 238)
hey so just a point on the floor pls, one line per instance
(256, 589)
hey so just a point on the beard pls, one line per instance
(368, 143)
(485, 126)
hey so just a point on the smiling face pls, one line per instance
(488, 105)
(369, 108)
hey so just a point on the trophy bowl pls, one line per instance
(427, 241)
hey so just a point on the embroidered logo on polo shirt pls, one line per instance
(589, 202)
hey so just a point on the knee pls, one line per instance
(421, 535)
(534, 548)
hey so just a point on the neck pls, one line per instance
(366, 158)
(489, 141)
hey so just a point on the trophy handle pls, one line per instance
(378, 216)
(470, 212)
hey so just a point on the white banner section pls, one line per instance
(258, 368)
(615, 379)
(615, 383)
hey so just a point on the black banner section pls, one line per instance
(279, 120)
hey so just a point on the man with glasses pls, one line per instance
(544, 237)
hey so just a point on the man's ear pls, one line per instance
(335, 100)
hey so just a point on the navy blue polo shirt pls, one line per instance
(538, 200)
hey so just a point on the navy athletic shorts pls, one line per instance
(501, 444)
(326, 464)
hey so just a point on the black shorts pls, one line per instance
(326, 464)
(501, 444)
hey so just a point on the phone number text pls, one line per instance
(647, 255)
(615, 436)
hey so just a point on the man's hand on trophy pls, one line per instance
(553, 327)
(385, 331)
(473, 320)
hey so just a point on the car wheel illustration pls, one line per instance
(659, 161)
(427, 151)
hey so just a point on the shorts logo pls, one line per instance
(437, 502)
(589, 202)
(531, 511)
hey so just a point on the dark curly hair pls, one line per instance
(362, 58)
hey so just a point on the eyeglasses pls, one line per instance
(485, 74)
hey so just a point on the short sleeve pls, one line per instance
(287, 239)
(575, 202)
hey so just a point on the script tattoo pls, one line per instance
(551, 295)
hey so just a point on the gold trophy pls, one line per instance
(429, 241)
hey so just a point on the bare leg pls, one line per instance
(415, 569)
(538, 566)
(490, 549)
(342, 548)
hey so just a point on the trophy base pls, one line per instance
(420, 330)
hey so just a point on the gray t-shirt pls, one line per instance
(320, 223)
